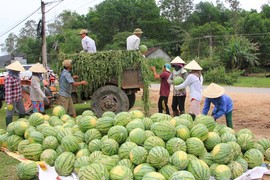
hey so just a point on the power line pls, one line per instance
(19, 22)
(54, 6)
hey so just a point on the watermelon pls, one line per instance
(94, 155)
(153, 176)
(264, 142)
(137, 136)
(227, 137)
(88, 113)
(136, 123)
(108, 114)
(13, 142)
(179, 159)
(22, 145)
(267, 154)
(168, 170)
(33, 151)
(58, 111)
(236, 149)
(62, 133)
(176, 144)
(109, 147)
(142, 169)
(236, 169)
(108, 161)
(50, 142)
(127, 163)
(199, 131)
(36, 119)
(194, 146)
(49, 131)
(222, 153)
(222, 172)
(80, 162)
(82, 152)
(65, 117)
(187, 117)
(153, 141)
(164, 129)
(92, 134)
(259, 147)
(244, 131)
(182, 132)
(79, 135)
(254, 158)
(27, 170)
(94, 145)
(11, 128)
(122, 119)
(2, 131)
(125, 149)
(212, 168)
(48, 156)
(64, 164)
(46, 117)
(136, 114)
(208, 121)
(182, 175)
(70, 143)
(138, 155)
(94, 171)
(121, 172)
(55, 121)
(118, 133)
(143, 48)
(20, 127)
(207, 158)
(3, 140)
(149, 133)
(243, 163)
(212, 139)
(245, 141)
(147, 122)
(158, 157)
(87, 122)
(104, 124)
(178, 80)
(199, 169)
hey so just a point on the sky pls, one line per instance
(12, 12)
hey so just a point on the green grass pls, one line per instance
(8, 164)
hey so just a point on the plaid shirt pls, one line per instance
(13, 89)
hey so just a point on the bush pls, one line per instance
(158, 63)
(220, 76)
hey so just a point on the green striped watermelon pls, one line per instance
(135, 123)
(13, 142)
(199, 131)
(64, 164)
(236, 169)
(164, 129)
(158, 157)
(136, 114)
(121, 172)
(137, 136)
(176, 144)
(254, 158)
(125, 148)
(243, 163)
(55, 121)
(147, 122)
(199, 169)
(20, 127)
(109, 147)
(138, 155)
(94, 171)
(87, 122)
(79, 135)
(88, 113)
(58, 111)
(104, 124)
(33, 151)
(194, 146)
(94, 145)
(49, 131)
(36, 137)
(36, 119)
(245, 141)
(48, 156)
(108, 114)
(80, 162)
(118, 133)
(153, 141)
(70, 143)
(50, 142)
(208, 121)
(27, 170)
(222, 153)
(127, 163)
(168, 170)
(182, 175)
(227, 137)
(212, 140)
(92, 134)
(222, 172)
(179, 159)
(264, 142)
(63, 133)
(122, 119)
(153, 176)
(182, 132)
(142, 169)
(82, 152)
(236, 149)
(22, 145)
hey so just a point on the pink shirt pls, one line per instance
(164, 85)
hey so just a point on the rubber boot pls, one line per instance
(21, 116)
(229, 123)
(175, 113)
(8, 120)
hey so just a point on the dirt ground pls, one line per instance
(251, 110)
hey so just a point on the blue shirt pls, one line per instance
(65, 83)
(223, 105)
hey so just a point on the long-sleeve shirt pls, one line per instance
(195, 86)
(133, 42)
(13, 89)
(223, 105)
(164, 85)
(36, 89)
(89, 45)
(65, 84)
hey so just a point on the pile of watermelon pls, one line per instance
(129, 145)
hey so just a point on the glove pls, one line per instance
(9, 107)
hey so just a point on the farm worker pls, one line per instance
(13, 91)
(88, 44)
(37, 90)
(164, 88)
(133, 41)
(65, 88)
(223, 104)
(179, 96)
(194, 80)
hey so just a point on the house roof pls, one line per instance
(151, 50)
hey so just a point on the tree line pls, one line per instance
(221, 36)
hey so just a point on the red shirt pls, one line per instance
(164, 85)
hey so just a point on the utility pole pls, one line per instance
(210, 45)
(44, 44)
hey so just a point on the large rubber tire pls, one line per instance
(109, 98)
(28, 106)
(131, 99)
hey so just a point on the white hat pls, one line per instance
(177, 60)
(15, 66)
(193, 65)
(83, 31)
(37, 68)
(213, 91)
(66, 63)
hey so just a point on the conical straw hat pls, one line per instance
(193, 65)
(177, 60)
(213, 91)
(15, 66)
(37, 68)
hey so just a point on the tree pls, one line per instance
(10, 44)
(29, 29)
(176, 11)
(234, 5)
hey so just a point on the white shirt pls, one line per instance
(133, 42)
(88, 45)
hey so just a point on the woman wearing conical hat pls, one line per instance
(194, 81)
(37, 91)
(13, 91)
(215, 94)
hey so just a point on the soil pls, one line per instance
(251, 109)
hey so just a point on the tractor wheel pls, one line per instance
(109, 98)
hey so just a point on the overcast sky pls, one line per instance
(14, 11)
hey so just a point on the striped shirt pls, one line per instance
(13, 89)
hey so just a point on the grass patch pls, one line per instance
(260, 82)
(8, 167)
